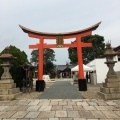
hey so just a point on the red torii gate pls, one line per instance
(40, 84)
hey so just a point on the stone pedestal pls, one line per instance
(82, 84)
(40, 85)
(110, 89)
(8, 89)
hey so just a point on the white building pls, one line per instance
(101, 69)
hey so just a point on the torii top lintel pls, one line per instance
(65, 34)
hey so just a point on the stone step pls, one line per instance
(9, 91)
(111, 84)
(113, 80)
(112, 96)
(6, 81)
(110, 90)
(7, 85)
(9, 97)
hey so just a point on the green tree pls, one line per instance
(34, 58)
(15, 70)
(48, 66)
(49, 57)
(88, 53)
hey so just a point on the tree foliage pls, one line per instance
(48, 66)
(34, 58)
(49, 57)
(88, 53)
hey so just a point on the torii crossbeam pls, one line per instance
(40, 84)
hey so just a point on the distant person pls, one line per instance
(87, 77)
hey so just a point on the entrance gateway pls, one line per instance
(40, 83)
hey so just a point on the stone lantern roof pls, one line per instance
(109, 51)
(7, 54)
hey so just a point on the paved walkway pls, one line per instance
(60, 109)
(61, 90)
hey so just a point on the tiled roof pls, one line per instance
(63, 67)
(116, 49)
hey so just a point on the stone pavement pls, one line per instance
(60, 109)
(61, 90)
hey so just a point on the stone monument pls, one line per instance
(8, 88)
(111, 87)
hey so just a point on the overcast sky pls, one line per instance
(57, 16)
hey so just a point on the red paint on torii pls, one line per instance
(76, 34)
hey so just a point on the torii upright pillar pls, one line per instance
(40, 84)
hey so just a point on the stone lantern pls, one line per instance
(6, 58)
(7, 85)
(111, 87)
(110, 54)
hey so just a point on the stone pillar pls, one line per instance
(6, 74)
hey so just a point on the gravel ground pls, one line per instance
(91, 93)
(33, 94)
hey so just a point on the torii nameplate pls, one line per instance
(59, 41)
